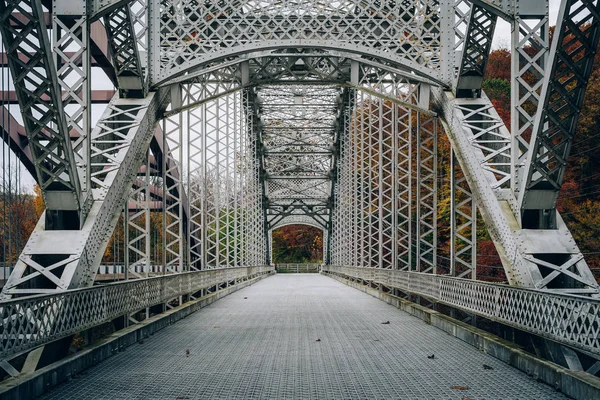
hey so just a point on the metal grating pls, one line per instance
(264, 347)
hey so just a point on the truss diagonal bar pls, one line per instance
(123, 44)
(518, 248)
(35, 78)
(478, 42)
(572, 55)
(119, 144)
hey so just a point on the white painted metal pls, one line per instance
(312, 111)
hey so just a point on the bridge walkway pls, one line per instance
(303, 336)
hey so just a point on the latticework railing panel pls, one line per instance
(33, 321)
(569, 320)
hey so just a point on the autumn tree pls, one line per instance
(297, 244)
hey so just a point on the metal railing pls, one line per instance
(298, 268)
(567, 319)
(29, 322)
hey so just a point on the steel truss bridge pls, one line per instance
(233, 118)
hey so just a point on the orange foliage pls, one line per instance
(297, 244)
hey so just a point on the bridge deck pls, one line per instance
(266, 346)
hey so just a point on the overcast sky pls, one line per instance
(502, 36)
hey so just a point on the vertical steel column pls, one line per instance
(212, 201)
(404, 194)
(387, 183)
(255, 222)
(530, 46)
(173, 239)
(137, 225)
(71, 48)
(426, 232)
(347, 187)
(463, 224)
(139, 17)
(196, 181)
(454, 17)
(23, 30)
(453, 23)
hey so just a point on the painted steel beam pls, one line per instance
(97, 96)
(542, 259)
(478, 43)
(124, 50)
(57, 260)
(572, 55)
(44, 120)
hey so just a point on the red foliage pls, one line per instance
(498, 65)
(297, 244)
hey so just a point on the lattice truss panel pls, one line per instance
(38, 87)
(547, 92)
(478, 42)
(576, 39)
(175, 234)
(71, 44)
(193, 33)
(226, 222)
(303, 111)
(57, 260)
(297, 135)
(375, 195)
(137, 223)
(126, 33)
(531, 44)
(569, 320)
(427, 193)
(544, 259)
(463, 224)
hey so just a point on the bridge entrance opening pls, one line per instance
(297, 244)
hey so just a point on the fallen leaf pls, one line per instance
(187, 352)
(485, 366)
(217, 326)
(459, 387)
(245, 298)
(385, 323)
(431, 357)
(318, 340)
